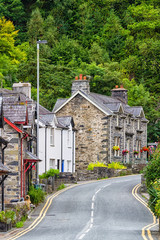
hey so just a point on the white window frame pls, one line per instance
(138, 148)
(117, 143)
(68, 165)
(138, 124)
(53, 165)
(51, 136)
(69, 138)
(117, 120)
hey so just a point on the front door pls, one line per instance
(62, 165)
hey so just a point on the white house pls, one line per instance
(57, 143)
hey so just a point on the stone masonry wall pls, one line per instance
(126, 130)
(11, 160)
(92, 131)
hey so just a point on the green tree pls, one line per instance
(10, 55)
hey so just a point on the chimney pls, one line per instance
(80, 83)
(120, 93)
(22, 88)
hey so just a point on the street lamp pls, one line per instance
(38, 42)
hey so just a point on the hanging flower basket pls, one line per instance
(116, 148)
(124, 152)
(135, 152)
(144, 149)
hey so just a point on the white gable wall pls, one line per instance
(62, 150)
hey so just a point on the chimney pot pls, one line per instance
(121, 86)
(80, 76)
(84, 78)
(76, 78)
(116, 86)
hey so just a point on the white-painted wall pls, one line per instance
(61, 149)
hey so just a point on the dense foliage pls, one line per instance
(152, 170)
(91, 166)
(50, 173)
(152, 175)
(36, 195)
(116, 165)
(111, 41)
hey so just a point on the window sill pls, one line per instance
(117, 157)
(118, 127)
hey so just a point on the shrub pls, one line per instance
(61, 187)
(20, 224)
(116, 165)
(152, 170)
(7, 216)
(36, 195)
(50, 173)
(154, 192)
(91, 166)
(122, 173)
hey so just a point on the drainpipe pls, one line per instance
(3, 179)
(22, 163)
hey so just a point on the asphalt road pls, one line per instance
(104, 210)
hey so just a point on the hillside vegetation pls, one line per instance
(112, 41)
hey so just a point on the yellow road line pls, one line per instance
(40, 217)
(47, 205)
(149, 226)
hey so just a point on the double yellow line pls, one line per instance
(40, 217)
(155, 221)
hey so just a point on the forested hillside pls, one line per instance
(111, 41)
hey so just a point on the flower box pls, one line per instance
(144, 149)
(124, 152)
(135, 152)
(116, 148)
(4, 227)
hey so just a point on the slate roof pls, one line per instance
(31, 156)
(47, 118)
(65, 121)
(61, 122)
(108, 104)
(58, 103)
(3, 169)
(16, 105)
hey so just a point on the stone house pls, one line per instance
(103, 122)
(18, 112)
(57, 145)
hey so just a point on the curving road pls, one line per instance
(103, 210)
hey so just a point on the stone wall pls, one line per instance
(100, 173)
(12, 160)
(126, 129)
(92, 131)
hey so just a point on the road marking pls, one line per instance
(92, 213)
(49, 201)
(82, 236)
(92, 206)
(149, 226)
(83, 233)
